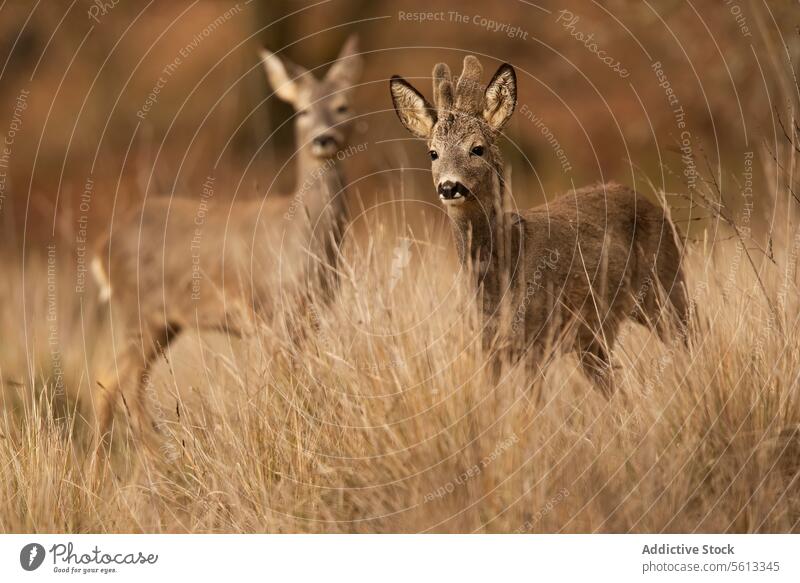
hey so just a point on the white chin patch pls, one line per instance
(455, 201)
(324, 151)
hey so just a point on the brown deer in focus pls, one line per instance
(580, 265)
(182, 263)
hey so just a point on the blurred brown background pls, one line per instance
(76, 77)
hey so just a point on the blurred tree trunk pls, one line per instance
(274, 36)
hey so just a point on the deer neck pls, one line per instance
(474, 233)
(319, 186)
(320, 192)
(477, 228)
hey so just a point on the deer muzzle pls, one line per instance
(452, 192)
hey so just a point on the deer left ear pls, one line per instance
(284, 76)
(500, 97)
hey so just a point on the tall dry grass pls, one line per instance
(375, 413)
(379, 416)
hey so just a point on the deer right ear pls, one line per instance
(349, 63)
(414, 111)
(500, 97)
(282, 76)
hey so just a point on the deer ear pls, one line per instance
(500, 97)
(416, 114)
(283, 75)
(348, 65)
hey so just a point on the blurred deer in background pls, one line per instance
(580, 265)
(180, 263)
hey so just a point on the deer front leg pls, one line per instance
(132, 383)
(597, 366)
(491, 352)
(594, 353)
(502, 350)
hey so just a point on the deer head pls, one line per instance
(324, 113)
(461, 131)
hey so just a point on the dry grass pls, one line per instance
(382, 419)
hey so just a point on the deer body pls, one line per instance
(574, 269)
(179, 263)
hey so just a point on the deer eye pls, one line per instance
(433, 154)
(476, 151)
(342, 109)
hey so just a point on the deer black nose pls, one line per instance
(449, 190)
(324, 141)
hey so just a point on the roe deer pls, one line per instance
(583, 264)
(180, 263)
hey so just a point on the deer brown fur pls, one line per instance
(575, 268)
(180, 263)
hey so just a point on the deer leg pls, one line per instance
(594, 354)
(106, 402)
(494, 367)
(133, 380)
(597, 366)
(679, 302)
(158, 346)
(493, 354)
(665, 313)
(109, 395)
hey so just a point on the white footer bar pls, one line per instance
(406, 558)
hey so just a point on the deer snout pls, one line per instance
(324, 141)
(326, 144)
(452, 192)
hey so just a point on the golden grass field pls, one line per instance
(375, 413)
(381, 417)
